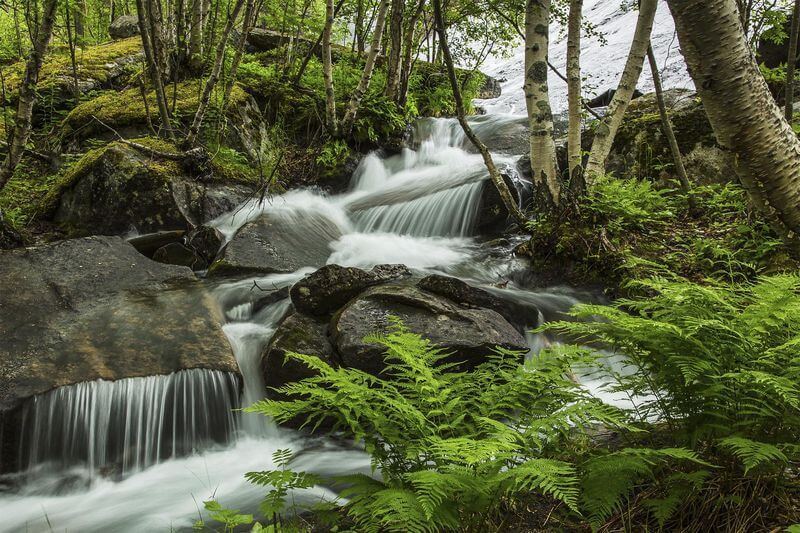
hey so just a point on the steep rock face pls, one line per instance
(117, 189)
(94, 308)
(273, 243)
(469, 334)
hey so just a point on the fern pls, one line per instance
(754, 454)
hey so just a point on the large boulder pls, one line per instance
(123, 27)
(278, 242)
(329, 288)
(95, 308)
(641, 150)
(469, 334)
(502, 134)
(118, 189)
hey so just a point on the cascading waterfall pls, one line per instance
(127, 425)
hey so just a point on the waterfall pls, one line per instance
(128, 425)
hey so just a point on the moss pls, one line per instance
(93, 62)
(120, 109)
(231, 166)
(66, 178)
(21, 197)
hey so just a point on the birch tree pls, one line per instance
(607, 128)
(574, 96)
(746, 121)
(327, 70)
(544, 168)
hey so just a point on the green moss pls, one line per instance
(66, 178)
(119, 109)
(231, 166)
(92, 63)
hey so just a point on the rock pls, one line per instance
(493, 216)
(641, 150)
(117, 189)
(464, 294)
(123, 27)
(149, 243)
(95, 308)
(604, 99)
(470, 334)
(502, 134)
(297, 333)
(329, 288)
(276, 242)
(490, 89)
(176, 253)
(9, 237)
(264, 40)
(206, 242)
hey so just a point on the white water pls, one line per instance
(601, 64)
(417, 208)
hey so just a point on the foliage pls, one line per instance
(712, 367)
(449, 446)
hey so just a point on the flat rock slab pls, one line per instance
(94, 308)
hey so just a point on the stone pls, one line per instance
(297, 333)
(95, 308)
(604, 99)
(274, 243)
(470, 335)
(493, 216)
(466, 295)
(332, 286)
(119, 189)
(123, 27)
(491, 88)
(9, 237)
(176, 253)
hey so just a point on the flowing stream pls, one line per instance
(142, 454)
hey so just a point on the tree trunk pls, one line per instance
(408, 52)
(250, 13)
(742, 112)
(196, 30)
(574, 95)
(327, 71)
(156, 75)
(310, 53)
(358, 31)
(211, 82)
(669, 133)
(607, 128)
(791, 61)
(497, 179)
(369, 67)
(395, 50)
(27, 92)
(540, 118)
(79, 20)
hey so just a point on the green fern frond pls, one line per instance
(753, 454)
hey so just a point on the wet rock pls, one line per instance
(176, 253)
(148, 243)
(493, 217)
(297, 333)
(507, 135)
(118, 189)
(491, 88)
(332, 286)
(9, 237)
(206, 242)
(469, 334)
(274, 243)
(123, 27)
(466, 295)
(604, 99)
(95, 308)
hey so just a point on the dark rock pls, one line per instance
(176, 253)
(297, 333)
(274, 243)
(95, 308)
(332, 286)
(464, 294)
(493, 216)
(264, 40)
(120, 189)
(501, 134)
(490, 89)
(206, 242)
(469, 334)
(9, 237)
(604, 99)
(148, 243)
(123, 27)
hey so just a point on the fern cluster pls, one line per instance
(712, 367)
(448, 446)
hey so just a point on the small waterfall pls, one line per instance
(125, 426)
(448, 213)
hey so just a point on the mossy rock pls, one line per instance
(118, 188)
